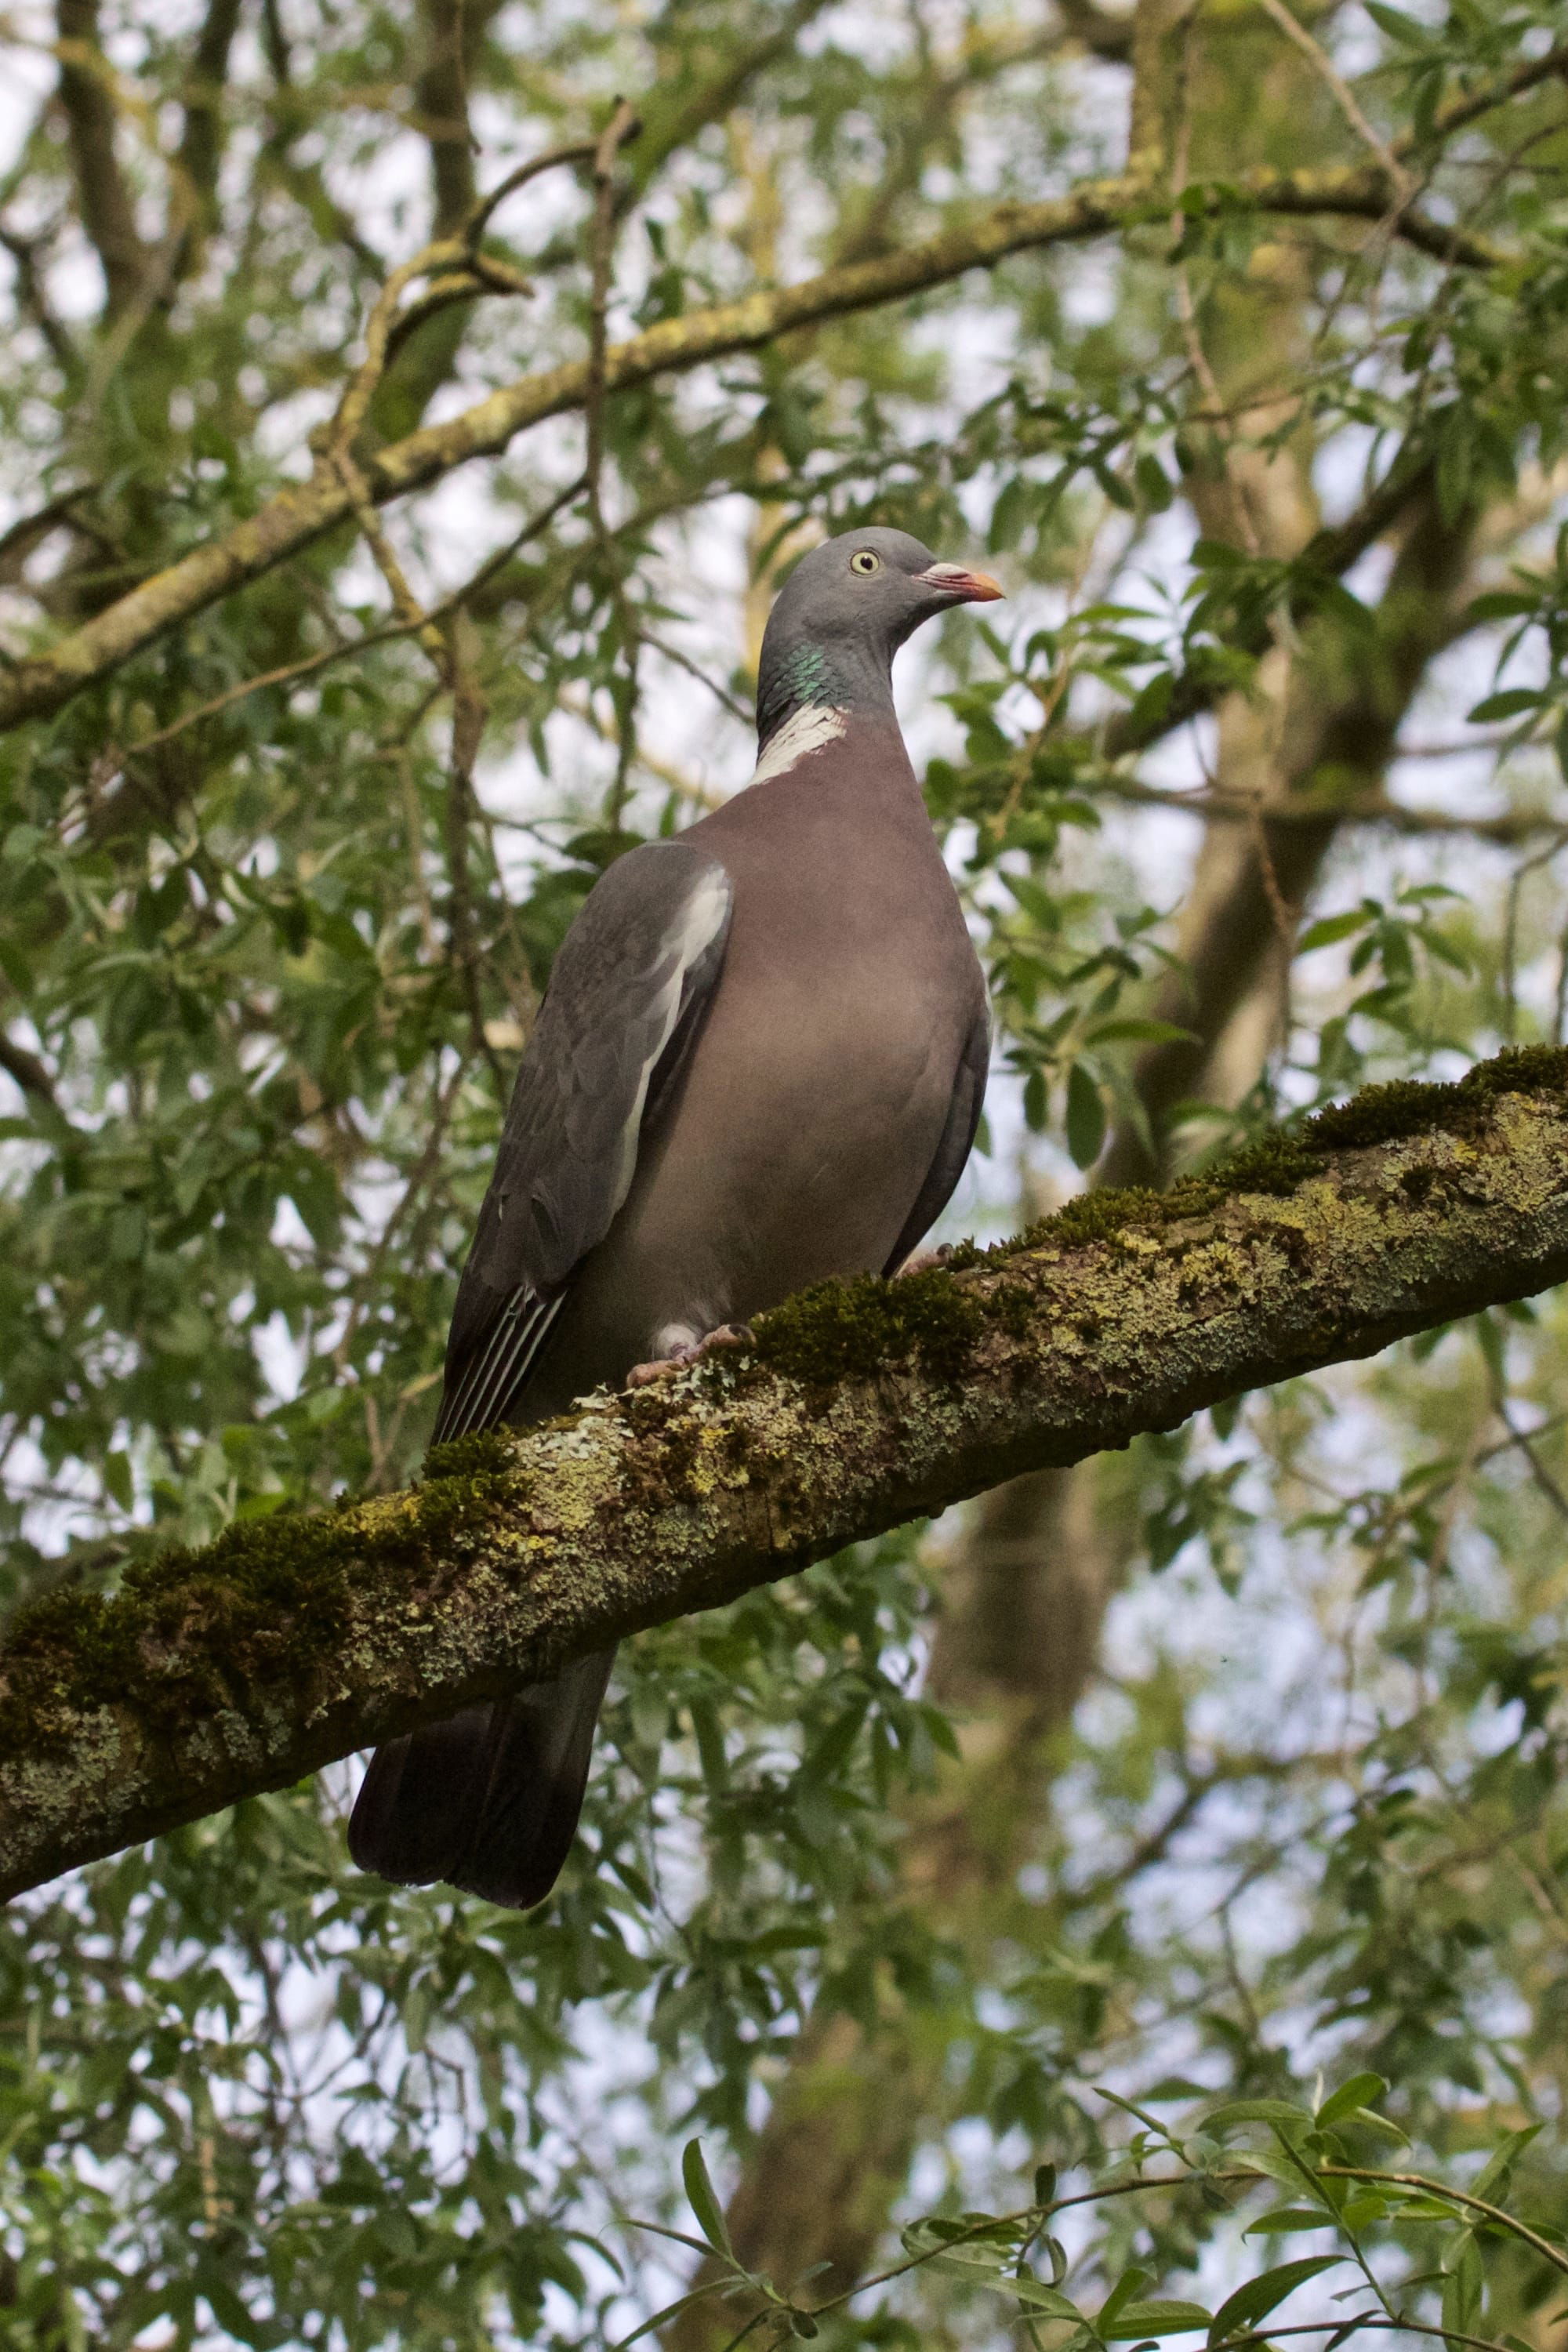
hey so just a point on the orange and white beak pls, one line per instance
(963, 587)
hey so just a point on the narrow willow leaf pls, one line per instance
(702, 2198)
(1260, 2295)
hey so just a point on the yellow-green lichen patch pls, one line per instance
(1290, 1156)
(1274, 1166)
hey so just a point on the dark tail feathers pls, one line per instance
(488, 1800)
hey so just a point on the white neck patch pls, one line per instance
(810, 728)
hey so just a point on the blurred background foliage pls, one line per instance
(1204, 1775)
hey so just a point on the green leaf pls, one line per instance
(965, 2260)
(1217, 556)
(1370, 2120)
(1260, 2295)
(1135, 1030)
(1153, 483)
(1041, 2297)
(1491, 2185)
(1500, 604)
(1256, 2111)
(1506, 705)
(1127, 2286)
(1359, 2092)
(1401, 28)
(1285, 2218)
(1085, 1118)
(700, 2196)
(1323, 933)
(1162, 2318)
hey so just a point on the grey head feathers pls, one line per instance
(842, 616)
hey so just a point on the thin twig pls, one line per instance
(292, 671)
(1187, 309)
(1495, 2213)
(1220, 801)
(736, 708)
(424, 1168)
(1458, 111)
(451, 658)
(1511, 929)
(1344, 96)
(684, 787)
(577, 150)
(468, 714)
(1523, 1439)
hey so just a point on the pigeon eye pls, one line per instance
(865, 563)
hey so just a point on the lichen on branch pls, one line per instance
(219, 1674)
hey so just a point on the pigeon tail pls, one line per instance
(488, 1800)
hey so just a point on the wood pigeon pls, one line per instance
(760, 1063)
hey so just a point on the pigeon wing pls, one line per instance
(630, 984)
(957, 1141)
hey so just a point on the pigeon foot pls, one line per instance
(925, 1262)
(665, 1368)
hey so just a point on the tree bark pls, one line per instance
(87, 101)
(293, 1641)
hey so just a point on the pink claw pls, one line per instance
(665, 1368)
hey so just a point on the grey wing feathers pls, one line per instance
(957, 1140)
(630, 983)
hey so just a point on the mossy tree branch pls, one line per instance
(289, 1642)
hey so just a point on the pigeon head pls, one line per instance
(842, 616)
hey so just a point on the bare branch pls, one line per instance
(201, 139)
(298, 516)
(441, 109)
(292, 672)
(1454, 113)
(33, 299)
(1506, 831)
(575, 151)
(29, 531)
(712, 99)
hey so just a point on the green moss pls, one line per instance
(483, 1453)
(1384, 1113)
(193, 1631)
(852, 1330)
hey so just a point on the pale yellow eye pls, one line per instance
(865, 563)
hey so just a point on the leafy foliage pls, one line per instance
(1277, 497)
